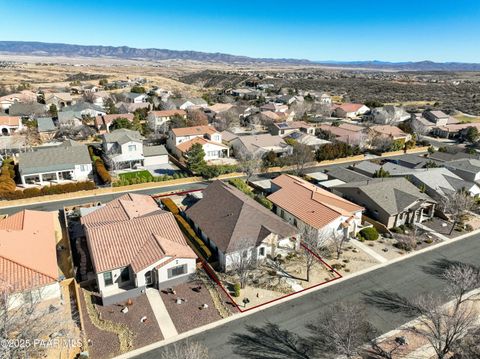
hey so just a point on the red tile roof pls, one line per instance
(133, 230)
(168, 113)
(185, 146)
(10, 120)
(28, 256)
(196, 130)
(311, 204)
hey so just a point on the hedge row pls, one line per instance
(138, 180)
(7, 173)
(47, 190)
(217, 170)
(242, 186)
(190, 233)
(102, 171)
(171, 206)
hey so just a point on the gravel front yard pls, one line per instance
(104, 344)
(189, 314)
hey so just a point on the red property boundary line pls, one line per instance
(213, 275)
(211, 272)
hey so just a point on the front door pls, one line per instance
(149, 278)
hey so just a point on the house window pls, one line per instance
(125, 275)
(282, 213)
(295, 222)
(132, 148)
(107, 278)
(176, 271)
(262, 251)
(83, 168)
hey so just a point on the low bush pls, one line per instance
(217, 170)
(264, 201)
(241, 185)
(369, 234)
(236, 290)
(190, 233)
(47, 190)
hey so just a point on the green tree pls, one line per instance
(103, 82)
(53, 110)
(121, 122)
(381, 173)
(110, 107)
(472, 134)
(138, 89)
(196, 158)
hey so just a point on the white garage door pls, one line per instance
(156, 160)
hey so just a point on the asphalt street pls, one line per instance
(408, 278)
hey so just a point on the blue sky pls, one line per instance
(402, 30)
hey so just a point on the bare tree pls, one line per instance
(314, 244)
(185, 350)
(468, 346)
(461, 279)
(249, 162)
(341, 330)
(300, 157)
(23, 319)
(243, 261)
(196, 117)
(338, 240)
(456, 205)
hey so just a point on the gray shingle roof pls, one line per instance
(468, 165)
(122, 136)
(346, 175)
(394, 195)
(149, 151)
(27, 109)
(45, 124)
(57, 158)
(230, 218)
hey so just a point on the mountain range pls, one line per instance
(125, 52)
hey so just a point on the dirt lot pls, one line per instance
(352, 260)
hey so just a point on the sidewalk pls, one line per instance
(369, 251)
(161, 314)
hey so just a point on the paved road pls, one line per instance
(53, 206)
(406, 277)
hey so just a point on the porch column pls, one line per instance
(56, 176)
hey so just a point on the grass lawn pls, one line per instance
(137, 174)
(467, 119)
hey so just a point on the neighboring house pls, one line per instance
(131, 97)
(390, 201)
(439, 118)
(231, 223)
(28, 257)
(59, 99)
(274, 107)
(306, 139)
(389, 114)
(104, 122)
(228, 137)
(350, 110)
(99, 98)
(10, 124)
(451, 156)
(133, 245)
(260, 144)
(467, 169)
(346, 175)
(24, 96)
(124, 148)
(413, 161)
(155, 156)
(69, 161)
(30, 109)
(325, 99)
(307, 206)
(218, 108)
(285, 128)
(346, 133)
(125, 107)
(180, 140)
(86, 109)
(391, 132)
(185, 104)
(70, 119)
(158, 120)
(46, 128)
(452, 130)
(10, 145)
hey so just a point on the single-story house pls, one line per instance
(28, 109)
(86, 109)
(67, 162)
(346, 133)
(285, 128)
(104, 122)
(307, 206)
(233, 224)
(260, 144)
(350, 110)
(133, 244)
(389, 114)
(59, 99)
(125, 107)
(28, 257)
(185, 104)
(69, 118)
(467, 169)
(46, 128)
(391, 132)
(390, 201)
(10, 124)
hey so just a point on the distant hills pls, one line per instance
(125, 52)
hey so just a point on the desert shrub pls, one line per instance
(369, 234)
(236, 290)
(337, 266)
(406, 244)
